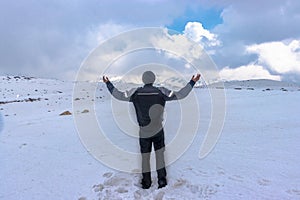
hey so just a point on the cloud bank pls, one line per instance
(52, 38)
(279, 57)
(246, 73)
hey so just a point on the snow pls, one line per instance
(42, 157)
(263, 84)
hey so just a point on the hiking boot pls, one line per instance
(162, 182)
(146, 184)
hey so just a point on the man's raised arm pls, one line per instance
(183, 92)
(123, 96)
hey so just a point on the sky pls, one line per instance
(246, 39)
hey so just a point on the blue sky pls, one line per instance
(246, 39)
(209, 17)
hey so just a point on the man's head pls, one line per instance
(148, 77)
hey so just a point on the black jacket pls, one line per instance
(149, 101)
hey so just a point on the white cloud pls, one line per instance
(109, 30)
(280, 57)
(198, 33)
(187, 65)
(167, 54)
(246, 23)
(68, 31)
(247, 72)
(56, 36)
(173, 50)
(179, 44)
(252, 22)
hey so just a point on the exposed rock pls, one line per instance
(65, 113)
(85, 111)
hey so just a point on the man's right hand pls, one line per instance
(196, 78)
(105, 79)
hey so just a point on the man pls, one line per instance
(149, 102)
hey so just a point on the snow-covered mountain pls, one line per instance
(177, 83)
(262, 84)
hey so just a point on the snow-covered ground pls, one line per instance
(42, 157)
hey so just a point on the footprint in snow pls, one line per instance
(293, 192)
(264, 182)
(127, 186)
(107, 175)
(237, 178)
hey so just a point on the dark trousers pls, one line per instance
(158, 141)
